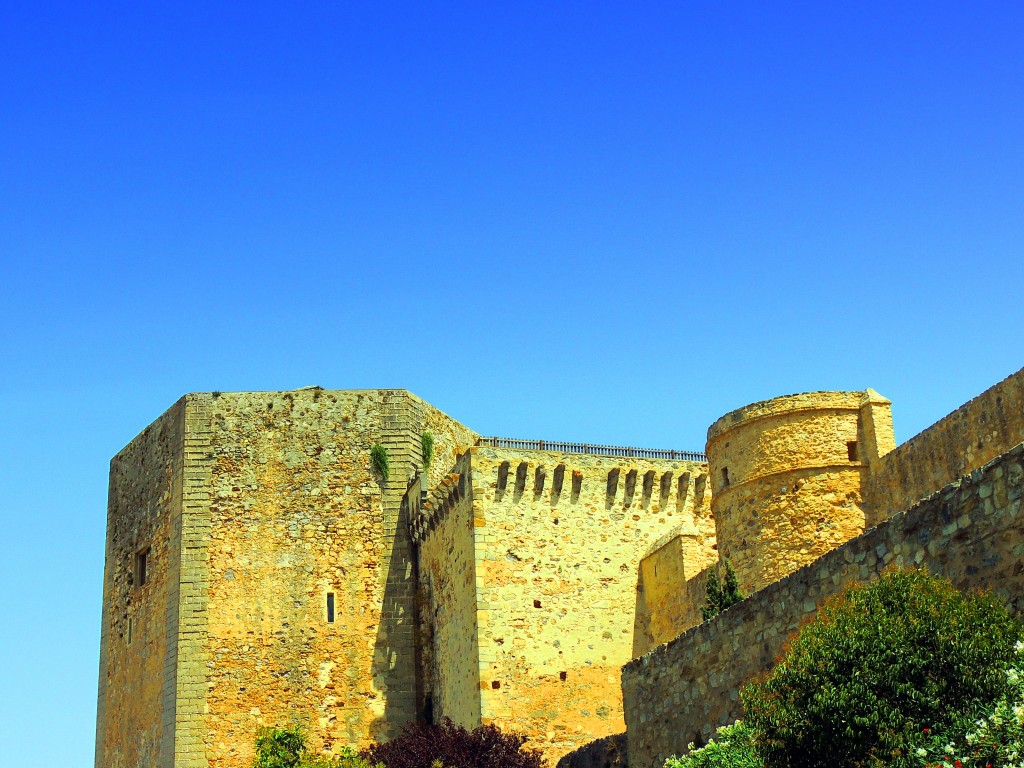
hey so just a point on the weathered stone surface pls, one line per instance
(255, 506)
(609, 752)
(555, 543)
(972, 435)
(138, 643)
(681, 691)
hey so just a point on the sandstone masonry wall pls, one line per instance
(672, 576)
(448, 599)
(138, 644)
(255, 507)
(971, 531)
(557, 540)
(298, 513)
(970, 436)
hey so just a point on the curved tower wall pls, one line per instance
(787, 475)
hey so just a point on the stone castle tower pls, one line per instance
(262, 570)
(256, 567)
(788, 476)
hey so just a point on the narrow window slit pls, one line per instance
(520, 480)
(539, 476)
(648, 486)
(330, 607)
(141, 567)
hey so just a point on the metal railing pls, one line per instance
(595, 450)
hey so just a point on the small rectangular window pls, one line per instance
(851, 450)
(330, 607)
(141, 567)
(725, 477)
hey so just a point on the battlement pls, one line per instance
(426, 508)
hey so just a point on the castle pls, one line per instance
(353, 561)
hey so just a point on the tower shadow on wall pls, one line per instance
(394, 650)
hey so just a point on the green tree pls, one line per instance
(720, 595)
(877, 666)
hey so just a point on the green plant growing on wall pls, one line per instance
(721, 594)
(380, 461)
(428, 449)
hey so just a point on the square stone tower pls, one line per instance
(257, 572)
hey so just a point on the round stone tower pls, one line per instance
(786, 478)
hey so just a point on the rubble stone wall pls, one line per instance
(138, 644)
(973, 434)
(971, 531)
(557, 542)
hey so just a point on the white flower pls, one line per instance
(921, 751)
(1012, 676)
(1018, 646)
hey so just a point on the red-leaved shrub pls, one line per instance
(419, 746)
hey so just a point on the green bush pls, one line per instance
(734, 748)
(720, 595)
(380, 461)
(993, 740)
(279, 748)
(286, 748)
(878, 665)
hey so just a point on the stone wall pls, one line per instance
(608, 752)
(297, 514)
(138, 643)
(448, 598)
(256, 507)
(557, 538)
(672, 582)
(970, 436)
(191, 539)
(971, 531)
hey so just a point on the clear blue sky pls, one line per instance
(596, 221)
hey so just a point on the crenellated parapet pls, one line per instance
(528, 574)
(426, 508)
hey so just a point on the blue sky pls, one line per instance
(609, 222)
